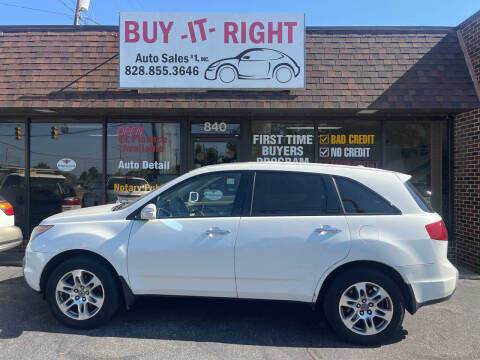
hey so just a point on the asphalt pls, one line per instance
(172, 328)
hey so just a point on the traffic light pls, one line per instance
(18, 132)
(54, 132)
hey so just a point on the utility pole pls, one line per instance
(77, 14)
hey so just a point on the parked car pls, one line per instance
(49, 194)
(125, 188)
(10, 235)
(119, 189)
(254, 64)
(357, 243)
(93, 195)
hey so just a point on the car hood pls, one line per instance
(96, 213)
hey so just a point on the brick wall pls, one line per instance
(467, 161)
(467, 189)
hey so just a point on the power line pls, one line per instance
(35, 9)
(66, 5)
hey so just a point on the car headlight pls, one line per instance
(40, 229)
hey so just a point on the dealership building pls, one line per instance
(76, 130)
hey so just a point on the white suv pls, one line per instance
(359, 243)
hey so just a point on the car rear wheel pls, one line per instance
(364, 307)
(227, 74)
(283, 74)
(82, 293)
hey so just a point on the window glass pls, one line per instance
(210, 153)
(349, 142)
(420, 149)
(65, 158)
(359, 199)
(12, 170)
(282, 142)
(294, 194)
(202, 196)
(417, 196)
(140, 157)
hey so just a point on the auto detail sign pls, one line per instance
(212, 51)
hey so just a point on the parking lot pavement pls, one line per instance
(169, 328)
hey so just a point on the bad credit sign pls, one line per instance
(212, 51)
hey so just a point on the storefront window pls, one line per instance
(419, 149)
(214, 152)
(349, 142)
(65, 159)
(282, 141)
(12, 169)
(140, 157)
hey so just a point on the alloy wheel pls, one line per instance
(365, 308)
(79, 294)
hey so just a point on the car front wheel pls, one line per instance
(82, 293)
(283, 74)
(364, 307)
(227, 74)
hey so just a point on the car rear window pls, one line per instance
(423, 203)
(294, 194)
(359, 199)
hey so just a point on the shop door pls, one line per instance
(214, 143)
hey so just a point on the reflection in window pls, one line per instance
(210, 153)
(140, 157)
(65, 159)
(419, 149)
(12, 170)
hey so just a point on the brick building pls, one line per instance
(413, 90)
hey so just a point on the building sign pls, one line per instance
(282, 142)
(349, 144)
(212, 51)
(66, 165)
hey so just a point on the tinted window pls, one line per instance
(359, 199)
(294, 194)
(202, 196)
(417, 196)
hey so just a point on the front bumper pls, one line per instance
(430, 283)
(33, 264)
(10, 237)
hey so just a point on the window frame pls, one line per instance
(246, 185)
(398, 211)
(334, 187)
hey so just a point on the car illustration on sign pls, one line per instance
(254, 64)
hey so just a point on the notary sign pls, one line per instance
(212, 51)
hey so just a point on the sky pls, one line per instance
(318, 12)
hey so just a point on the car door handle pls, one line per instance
(327, 229)
(216, 231)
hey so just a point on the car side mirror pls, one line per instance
(246, 57)
(149, 212)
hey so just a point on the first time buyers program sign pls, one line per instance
(212, 51)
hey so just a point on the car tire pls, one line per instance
(365, 326)
(95, 303)
(283, 74)
(227, 74)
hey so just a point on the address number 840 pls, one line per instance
(161, 70)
